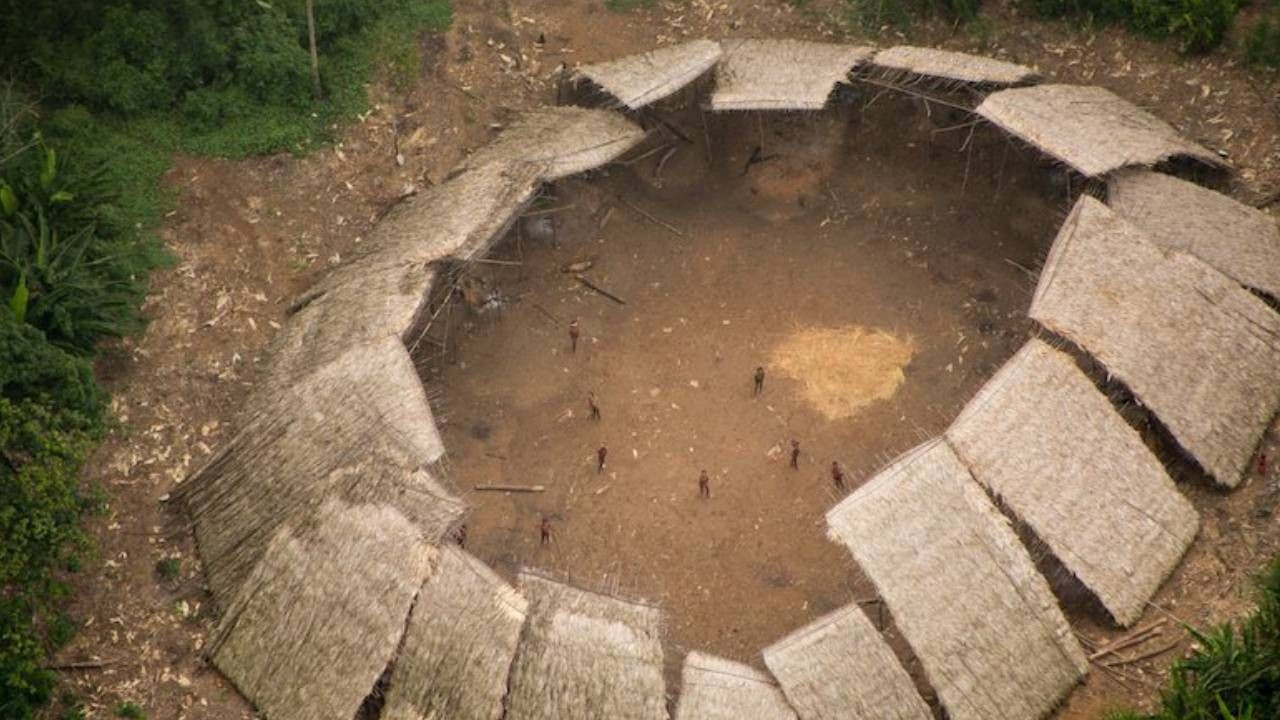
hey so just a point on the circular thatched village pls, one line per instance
(677, 331)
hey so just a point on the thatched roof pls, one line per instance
(962, 589)
(1041, 437)
(637, 80)
(952, 66)
(782, 74)
(713, 688)
(383, 291)
(1091, 129)
(459, 645)
(840, 667)
(320, 616)
(1241, 242)
(585, 655)
(358, 429)
(561, 140)
(1193, 346)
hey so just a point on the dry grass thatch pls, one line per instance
(839, 668)
(459, 645)
(782, 74)
(950, 66)
(383, 292)
(1041, 437)
(962, 589)
(560, 140)
(843, 370)
(586, 655)
(1091, 129)
(1196, 348)
(320, 616)
(637, 80)
(713, 688)
(358, 429)
(1241, 242)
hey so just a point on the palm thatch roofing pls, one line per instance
(782, 74)
(1041, 437)
(638, 80)
(1241, 242)
(586, 655)
(1193, 346)
(458, 647)
(1090, 129)
(952, 66)
(383, 291)
(561, 141)
(713, 688)
(320, 615)
(358, 428)
(962, 589)
(839, 667)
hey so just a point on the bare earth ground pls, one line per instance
(249, 234)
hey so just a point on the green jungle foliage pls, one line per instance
(1197, 25)
(872, 15)
(1235, 672)
(1262, 42)
(228, 77)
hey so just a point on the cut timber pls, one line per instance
(586, 655)
(839, 668)
(458, 648)
(952, 67)
(560, 141)
(962, 589)
(320, 616)
(1042, 438)
(1196, 348)
(1241, 242)
(1091, 129)
(637, 80)
(511, 488)
(782, 74)
(713, 688)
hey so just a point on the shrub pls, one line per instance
(1197, 25)
(1234, 674)
(66, 264)
(41, 501)
(1262, 43)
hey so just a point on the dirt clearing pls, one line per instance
(845, 252)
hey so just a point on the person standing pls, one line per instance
(759, 378)
(704, 485)
(592, 406)
(544, 530)
(837, 475)
(601, 454)
(795, 454)
(574, 332)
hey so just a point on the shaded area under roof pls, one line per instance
(1042, 438)
(962, 589)
(1241, 242)
(838, 667)
(638, 80)
(782, 74)
(1196, 348)
(1091, 129)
